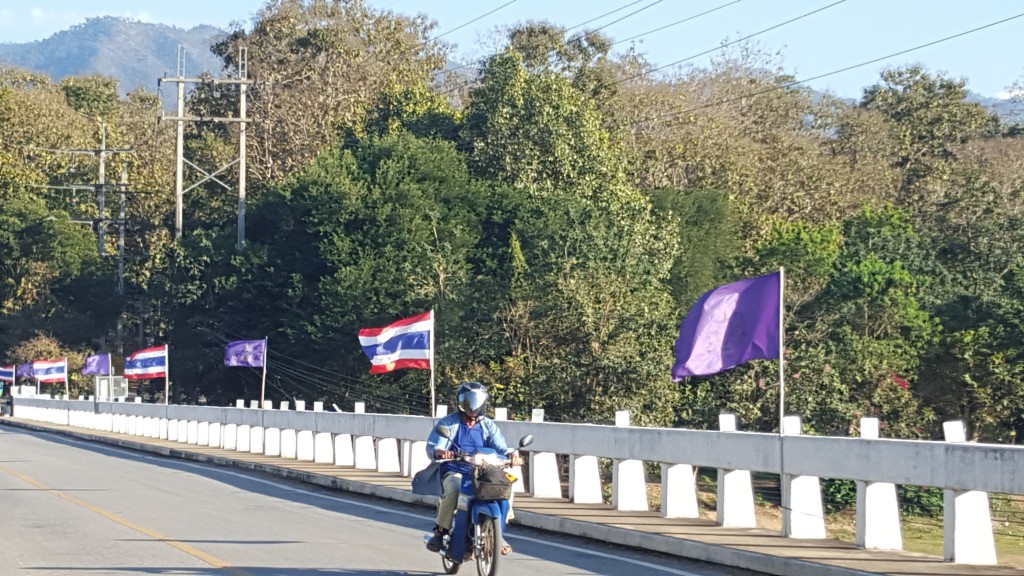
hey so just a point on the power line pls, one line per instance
(717, 48)
(567, 41)
(616, 21)
(294, 375)
(478, 18)
(841, 70)
(595, 18)
(677, 22)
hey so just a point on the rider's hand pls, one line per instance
(515, 460)
(443, 454)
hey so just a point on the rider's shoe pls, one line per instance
(437, 540)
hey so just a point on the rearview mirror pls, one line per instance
(526, 441)
(443, 431)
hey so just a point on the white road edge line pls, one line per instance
(220, 470)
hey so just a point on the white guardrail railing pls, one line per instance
(967, 472)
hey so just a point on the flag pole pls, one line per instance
(263, 381)
(782, 348)
(433, 395)
(167, 374)
(67, 389)
(783, 485)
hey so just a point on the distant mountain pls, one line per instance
(136, 53)
(1009, 110)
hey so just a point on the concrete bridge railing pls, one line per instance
(967, 472)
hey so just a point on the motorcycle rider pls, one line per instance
(472, 431)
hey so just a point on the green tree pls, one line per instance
(931, 117)
(318, 67)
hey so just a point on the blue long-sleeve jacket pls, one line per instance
(493, 437)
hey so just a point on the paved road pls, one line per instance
(70, 507)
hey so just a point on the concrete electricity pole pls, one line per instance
(180, 118)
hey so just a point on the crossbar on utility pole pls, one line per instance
(180, 118)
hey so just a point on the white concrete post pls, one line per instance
(192, 431)
(240, 403)
(231, 436)
(878, 511)
(244, 434)
(254, 404)
(418, 458)
(289, 444)
(584, 480)
(323, 448)
(318, 406)
(284, 405)
(519, 486)
(268, 404)
(172, 430)
(272, 441)
(256, 440)
(678, 491)
(629, 480)
(387, 456)
(802, 513)
(183, 431)
(164, 430)
(545, 479)
(203, 434)
(365, 456)
(405, 457)
(735, 506)
(300, 405)
(966, 519)
(440, 411)
(215, 435)
(305, 448)
(344, 454)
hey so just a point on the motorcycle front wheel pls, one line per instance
(488, 549)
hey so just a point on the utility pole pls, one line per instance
(119, 339)
(180, 118)
(100, 187)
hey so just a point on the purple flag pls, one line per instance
(26, 371)
(98, 365)
(246, 353)
(729, 326)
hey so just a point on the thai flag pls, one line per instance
(51, 370)
(6, 373)
(146, 363)
(407, 343)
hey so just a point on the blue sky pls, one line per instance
(849, 33)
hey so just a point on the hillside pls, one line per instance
(136, 53)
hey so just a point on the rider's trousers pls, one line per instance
(450, 485)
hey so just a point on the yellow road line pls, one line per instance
(194, 552)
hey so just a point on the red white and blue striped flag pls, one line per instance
(146, 363)
(50, 370)
(6, 373)
(404, 344)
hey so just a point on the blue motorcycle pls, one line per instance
(482, 510)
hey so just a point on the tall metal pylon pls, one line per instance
(180, 80)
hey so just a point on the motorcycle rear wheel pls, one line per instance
(488, 549)
(449, 566)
